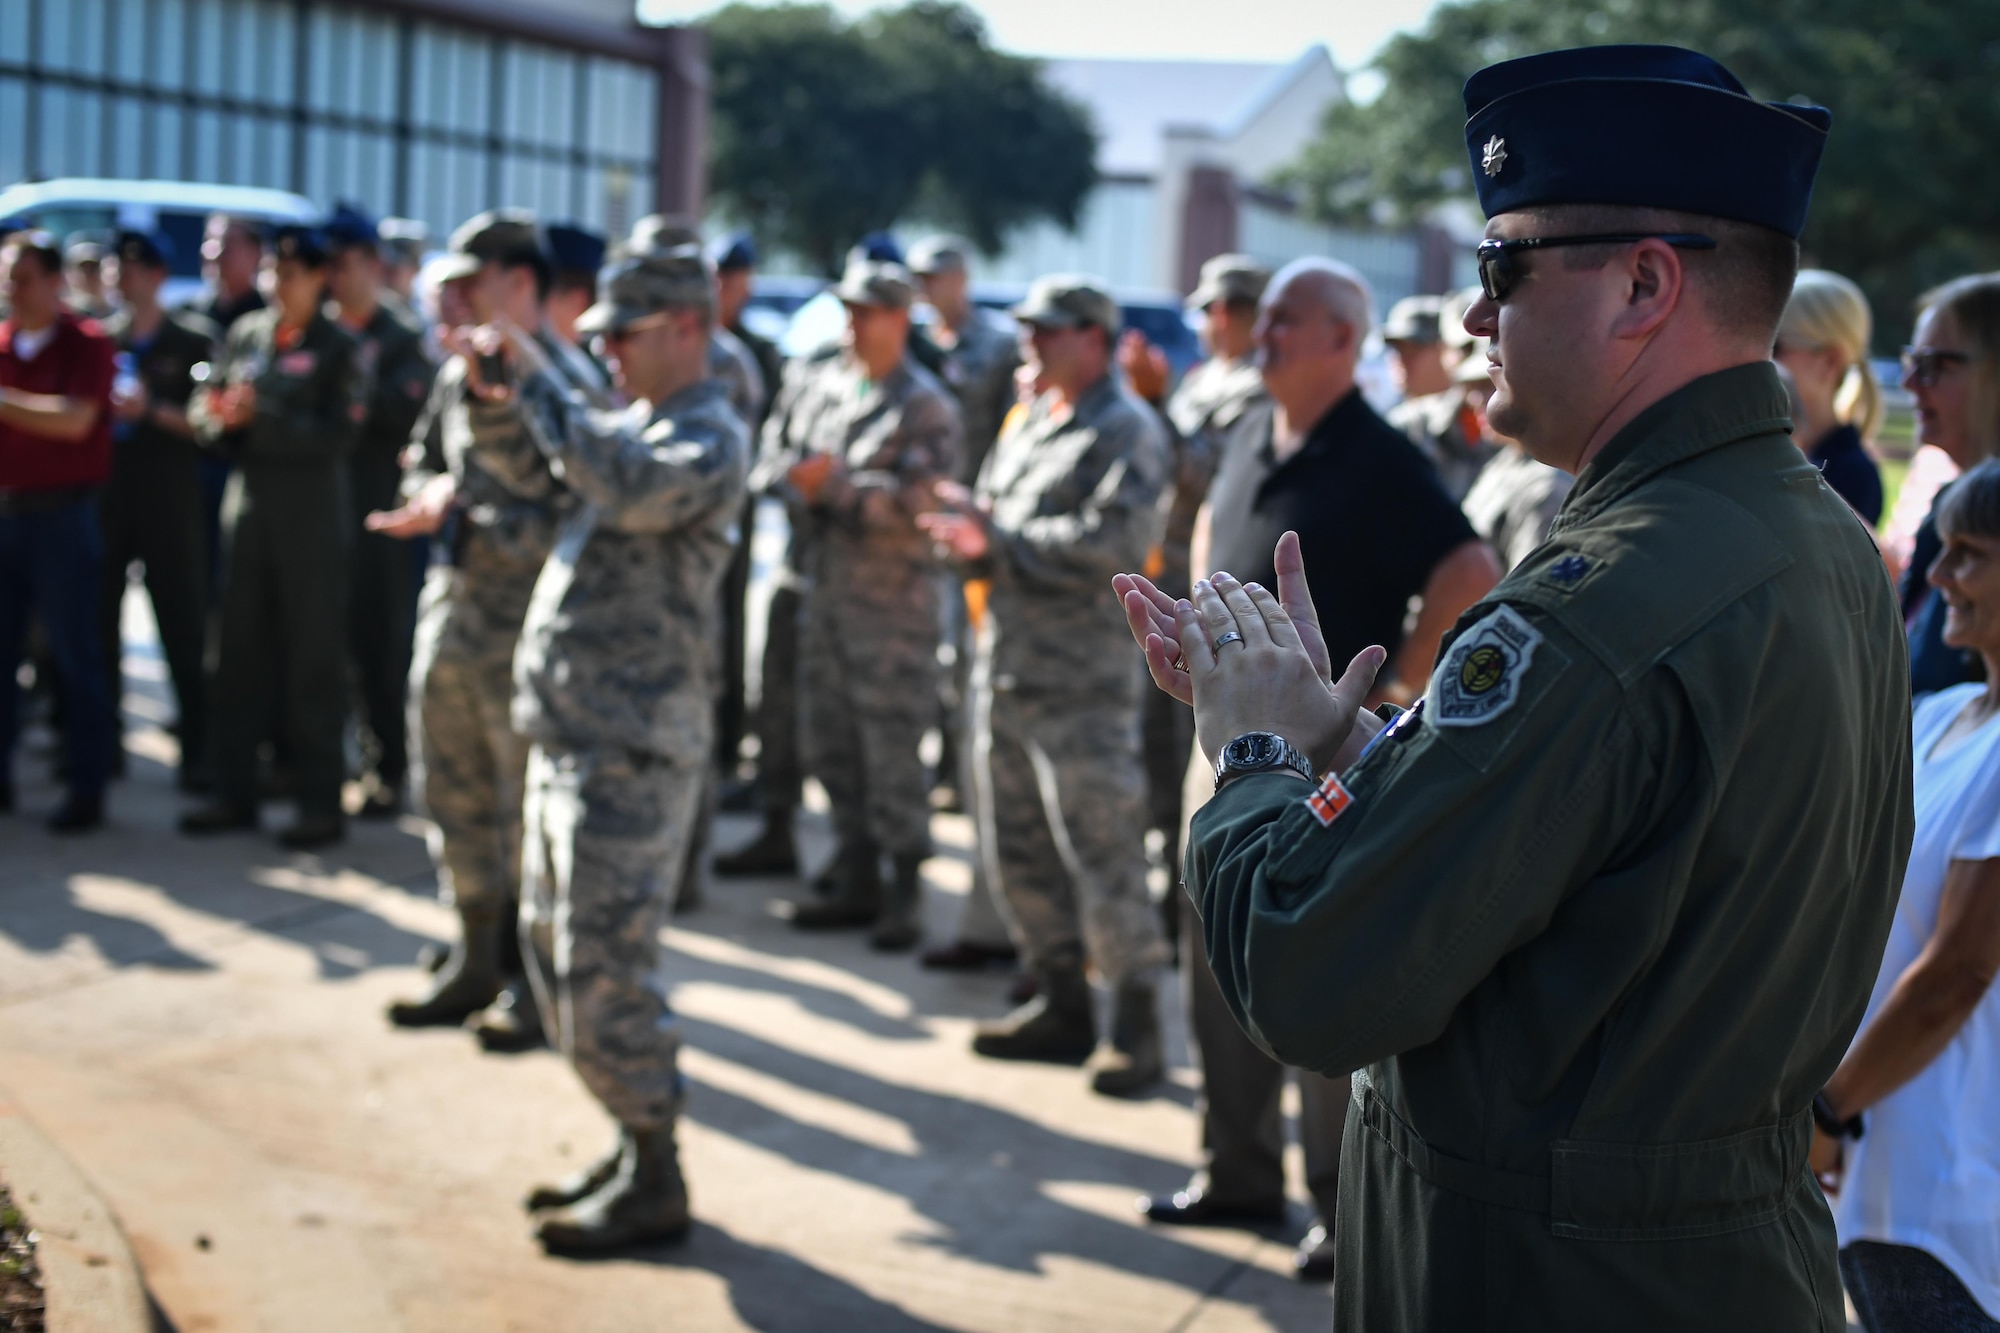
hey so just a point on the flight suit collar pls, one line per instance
(1717, 409)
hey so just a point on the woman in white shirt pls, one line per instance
(1909, 1125)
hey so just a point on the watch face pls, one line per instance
(1252, 750)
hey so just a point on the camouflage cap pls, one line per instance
(501, 235)
(940, 254)
(640, 285)
(1068, 301)
(1229, 278)
(872, 283)
(1414, 319)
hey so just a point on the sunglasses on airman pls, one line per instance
(1499, 270)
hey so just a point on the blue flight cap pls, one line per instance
(151, 248)
(1643, 126)
(306, 244)
(877, 247)
(736, 250)
(349, 225)
(574, 249)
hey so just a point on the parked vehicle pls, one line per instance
(180, 209)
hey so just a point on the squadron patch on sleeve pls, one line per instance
(1480, 678)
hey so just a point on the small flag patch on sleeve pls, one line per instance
(1329, 799)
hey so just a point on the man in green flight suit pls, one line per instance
(292, 380)
(1595, 921)
(381, 609)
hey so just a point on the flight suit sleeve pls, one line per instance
(665, 476)
(209, 432)
(926, 450)
(1108, 532)
(1346, 922)
(403, 375)
(423, 456)
(314, 416)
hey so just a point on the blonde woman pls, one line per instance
(1952, 369)
(1823, 342)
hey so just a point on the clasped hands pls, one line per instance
(1276, 677)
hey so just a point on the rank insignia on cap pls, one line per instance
(1328, 800)
(1495, 156)
(1480, 677)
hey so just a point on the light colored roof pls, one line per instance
(179, 196)
(1135, 102)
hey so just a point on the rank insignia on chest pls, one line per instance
(1480, 677)
(1329, 799)
(297, 363)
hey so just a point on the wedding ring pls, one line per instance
(1231, 637)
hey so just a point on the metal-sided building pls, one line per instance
(430, 109)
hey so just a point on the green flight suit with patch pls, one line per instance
(1599, 921)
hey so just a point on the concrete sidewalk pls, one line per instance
(199, 1026)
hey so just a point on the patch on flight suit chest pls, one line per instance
(1480, 678)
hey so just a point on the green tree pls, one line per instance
(824, 130)
(1902, 201)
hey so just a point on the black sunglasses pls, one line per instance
(1925, 366)
(1499, 270)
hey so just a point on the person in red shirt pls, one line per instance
(56, 372)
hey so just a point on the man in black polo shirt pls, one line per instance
(1373, 521)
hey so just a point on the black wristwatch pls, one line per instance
(1256, 752)
(1832, 1125)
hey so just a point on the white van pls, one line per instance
(180, 209)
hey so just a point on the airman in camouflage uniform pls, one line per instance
(1070, 490)
(469, 758)
(614, 685)
(855, 457)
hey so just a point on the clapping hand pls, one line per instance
(1271, 674)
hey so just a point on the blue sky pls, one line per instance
(1167, 29)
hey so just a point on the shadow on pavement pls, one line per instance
(774, 1292)
(992, 1209)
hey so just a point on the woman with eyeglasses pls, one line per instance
(1823, 343)
(1952, 368)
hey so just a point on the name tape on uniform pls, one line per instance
(1480, 677)
(1328, 800)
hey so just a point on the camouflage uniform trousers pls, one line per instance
(871, 688)
(469, 759)
(1062, 805)
(606, 835)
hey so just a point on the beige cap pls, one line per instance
(1414, 319)
(499, 235)
(1229, 278)
(640, 285)
(1067, 301)
(871, 283)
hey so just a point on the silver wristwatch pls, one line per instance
(1256, 751)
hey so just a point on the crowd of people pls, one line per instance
(471, 535)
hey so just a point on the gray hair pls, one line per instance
(1338, 287)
